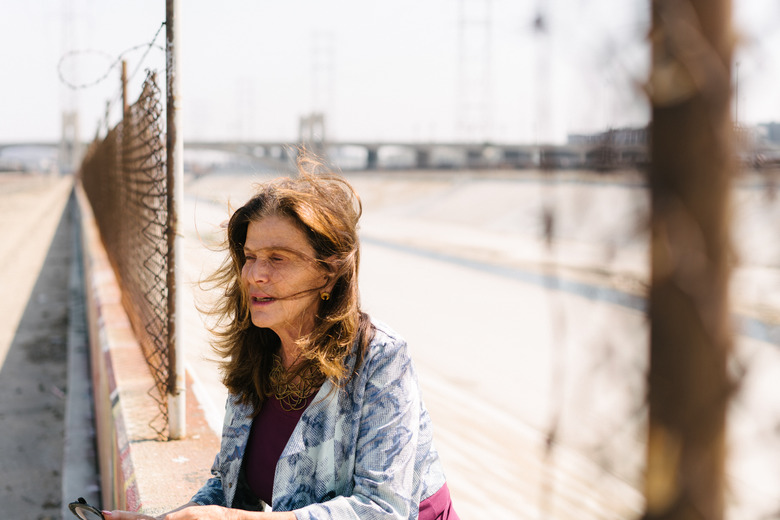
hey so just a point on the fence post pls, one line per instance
(690, 326)
(175, 171)
(125, 104)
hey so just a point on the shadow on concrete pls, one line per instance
(33, 382)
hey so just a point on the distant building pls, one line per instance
(615, 137)
(615, 148)
(767, 146)
(771, 132)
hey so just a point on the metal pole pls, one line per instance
(175, 150)
(690, 327)
(125, 104)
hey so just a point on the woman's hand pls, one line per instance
(126, 515)
(193, 512)
(201, 513)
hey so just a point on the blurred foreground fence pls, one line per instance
(124, 177)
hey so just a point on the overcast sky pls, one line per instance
(390, 69)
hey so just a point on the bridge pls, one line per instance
(450, 154)
(29, 144)
(425, 155)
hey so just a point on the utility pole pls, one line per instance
(474, 84)
(177, 404)
(690, 327)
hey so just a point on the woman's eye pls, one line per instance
(277, 259)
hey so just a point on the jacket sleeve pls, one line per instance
(211, 493)
(388, 399)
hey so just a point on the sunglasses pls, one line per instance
(85, 511)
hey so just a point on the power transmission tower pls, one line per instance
(312, 127)
(475, 59)
(311, 133)
(543, 71)
(70, 150)
(323, 68)
(246, 109)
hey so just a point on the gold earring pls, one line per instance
(325, 296)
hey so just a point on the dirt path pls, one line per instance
(35, 252)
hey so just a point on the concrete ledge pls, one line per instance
(79, 461)
(137, 471)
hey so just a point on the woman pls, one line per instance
(324, 417)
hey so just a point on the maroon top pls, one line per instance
(271, 430)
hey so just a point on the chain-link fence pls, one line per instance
(124, 177)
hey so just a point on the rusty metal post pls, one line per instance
(125, 104)
(690, 327)
(175, 151)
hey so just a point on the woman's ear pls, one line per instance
(331, 271)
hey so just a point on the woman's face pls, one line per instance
(282, 279)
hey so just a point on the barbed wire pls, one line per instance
(110, 68)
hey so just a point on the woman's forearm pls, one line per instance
(195, 512)
(273, 515)
(185, 506)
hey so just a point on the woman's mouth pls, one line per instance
(262, 299)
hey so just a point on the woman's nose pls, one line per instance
(258, 272)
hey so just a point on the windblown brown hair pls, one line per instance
(327, 210)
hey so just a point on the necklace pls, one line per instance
(292, 394)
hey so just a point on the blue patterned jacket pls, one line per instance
(362, 452)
